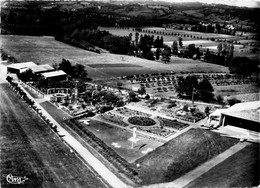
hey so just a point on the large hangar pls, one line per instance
(17, 68)
(244, 117)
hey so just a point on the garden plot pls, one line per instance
(129, 112)
(118, 140)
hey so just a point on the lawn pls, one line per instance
(240, 170)
(29, 148)
(56, 113)
(181, 154)
(117, 139)
(42, 50)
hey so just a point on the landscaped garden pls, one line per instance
(158, 131)
(129, 112)
(169, 123)
(113, 118)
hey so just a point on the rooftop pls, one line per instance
(41, 68)
(249, 111)
(22, 65)
(54, 74)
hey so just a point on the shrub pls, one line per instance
(233, 101)
(142, 121)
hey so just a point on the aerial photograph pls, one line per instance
(129, 93)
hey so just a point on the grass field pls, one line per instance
(242, 92)
(117, 139)
(56, 113)
(181, 154)
(240, 170)
(29, 148)
(45, 50)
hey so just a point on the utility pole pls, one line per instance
(192, 96)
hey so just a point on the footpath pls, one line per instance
(100, 168)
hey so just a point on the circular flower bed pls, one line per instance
(142, 121)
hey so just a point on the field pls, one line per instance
(242, 92)
(181, 155)
(29, 148)
(45, 50)
(203, 43)
(240, 170)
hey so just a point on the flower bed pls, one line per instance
(188, 117)
(113, 118)
(129, 113)
(141, 121)
(158, 131)
(172, 123)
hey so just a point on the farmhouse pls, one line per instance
(55, 75)
(17, 68)
(243, 117)
(41, 68)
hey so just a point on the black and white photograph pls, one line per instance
(129, 93)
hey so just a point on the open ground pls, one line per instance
(42, 50)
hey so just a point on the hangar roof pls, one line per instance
(22, 65)
(54, 74)
(41, 68)
(248, 111)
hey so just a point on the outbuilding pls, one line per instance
(18, 68)
(55, 75)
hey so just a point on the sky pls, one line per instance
(240, 3)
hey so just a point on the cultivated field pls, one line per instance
(240, 170)
(29, 148)
(42, 50)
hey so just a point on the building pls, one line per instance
(41, 68)
(244, 118)
(17, 68)
(55, 75)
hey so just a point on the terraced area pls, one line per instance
(29, 148)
